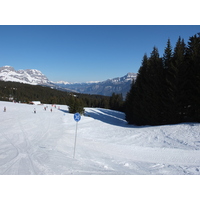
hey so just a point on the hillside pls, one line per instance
(24, 93)
(43, 143)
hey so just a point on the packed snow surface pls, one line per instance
(43, 143)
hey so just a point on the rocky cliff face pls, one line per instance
(29, 76)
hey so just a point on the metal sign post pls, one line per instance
(77, 118)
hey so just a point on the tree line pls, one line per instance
(167, 88)
(25, 93)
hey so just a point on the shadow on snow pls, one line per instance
(65, 111)
(107, 116)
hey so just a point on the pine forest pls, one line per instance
(167, 88)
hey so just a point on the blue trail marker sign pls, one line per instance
(77, 118)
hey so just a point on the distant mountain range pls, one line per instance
(35, 77)
(116, 85)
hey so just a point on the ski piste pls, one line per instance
(43, 143)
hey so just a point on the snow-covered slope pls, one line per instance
(29, 76)
(43, 143)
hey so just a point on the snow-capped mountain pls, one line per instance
(127, 78)
(116, 85)
(72, 83)
(29, 76)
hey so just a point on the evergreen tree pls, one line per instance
(179, 78)
(156, 88)
(136, 104)
(140, 91)
(76, 105)
(167, 57)
(168, 102)
(131, 114)
(173, 82)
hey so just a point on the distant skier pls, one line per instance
(34, 110)
(51, 109)
(4, 109)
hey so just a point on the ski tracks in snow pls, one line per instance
(29, 130)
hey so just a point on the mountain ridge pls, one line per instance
(35, 77)
(116, 85)
(29, 76)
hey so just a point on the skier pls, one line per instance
(4, 109)
(34, 110)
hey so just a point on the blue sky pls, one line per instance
(85, 53)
